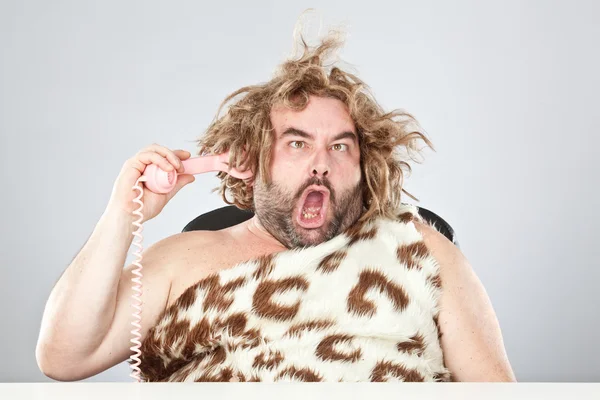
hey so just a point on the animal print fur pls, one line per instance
(360, 307)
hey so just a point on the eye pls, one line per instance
(340, 147)
(297, 144)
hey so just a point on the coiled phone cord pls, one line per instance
(160, 181)
(137, 287)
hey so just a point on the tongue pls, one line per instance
(314, 200)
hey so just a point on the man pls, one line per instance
(333, 279)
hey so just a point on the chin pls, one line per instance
(311, 237)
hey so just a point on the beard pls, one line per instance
(274, 207)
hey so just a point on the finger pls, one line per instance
(182, 154)
(151, 157)
(185, 179)
(174, 160)
(168, 154)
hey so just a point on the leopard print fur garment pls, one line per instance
(362, 306)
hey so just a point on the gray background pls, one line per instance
(507, 91)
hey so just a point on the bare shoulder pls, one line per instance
(453, 264)
(471, 335)
(183, 248)
(195, 255)
(183, 240)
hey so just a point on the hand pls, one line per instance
(123, 192)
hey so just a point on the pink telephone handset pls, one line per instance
(160, 181)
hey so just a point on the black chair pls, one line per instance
(227, 216)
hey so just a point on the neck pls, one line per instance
(258, 230)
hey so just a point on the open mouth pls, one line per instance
(313, 207)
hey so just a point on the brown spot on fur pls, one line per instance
(326, 349)
(155, 368)
(172, 312)
(412, 253)
(266, 308)
(436, 320)
(357, 303)
(177, 329)
(199, 335)
(269, 361)
(235, 324)
(265, 266)
(358, 235)
(219, 296)
(436, 281)
(297, 329)
(386, 369)
(416, 344)
(224, 375)
(301, 374)
(443, 377)
(208, 363)
(253, 338)
(332, 261)
(406, 217)
(217, 357)
(151, 364)
(187, 298)
(356, 228)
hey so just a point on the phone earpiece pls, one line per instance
(158, 180)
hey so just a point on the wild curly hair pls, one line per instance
(385, 139)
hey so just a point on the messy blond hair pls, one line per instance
(385, 138)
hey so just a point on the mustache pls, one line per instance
(317, 182)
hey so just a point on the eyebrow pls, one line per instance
(298, 132)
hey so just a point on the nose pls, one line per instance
(320, 170)
(319, 164)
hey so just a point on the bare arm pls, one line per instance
(471, 336)
(86, 319)
(86, 324)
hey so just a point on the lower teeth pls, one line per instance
(311, 215)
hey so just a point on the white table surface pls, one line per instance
(299, 391)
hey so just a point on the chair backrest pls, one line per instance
(227, 216)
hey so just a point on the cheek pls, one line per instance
(285, 171)
(350, 174)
